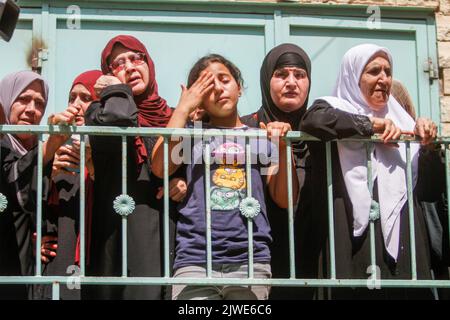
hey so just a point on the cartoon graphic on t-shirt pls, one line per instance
(229, 179)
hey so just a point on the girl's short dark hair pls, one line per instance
(204, 62)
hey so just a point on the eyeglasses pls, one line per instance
(119, 64)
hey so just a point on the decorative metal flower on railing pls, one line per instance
(3, 202)
(124, 205)
(250, 207)
(374, 213)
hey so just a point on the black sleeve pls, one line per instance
(327, 123)
(20, 177)
(250, 120)
(115, 108)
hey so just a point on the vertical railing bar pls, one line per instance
(248, 162)
(166, 208)
(411, 210)
(330, 210)
(447, 176)
(39, 206)
(82, 204)
(373, 261)
(55, 291)
(124, 218)
(290, 209)
(208, 208)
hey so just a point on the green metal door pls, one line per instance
(177, 34)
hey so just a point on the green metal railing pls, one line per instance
(57, 281)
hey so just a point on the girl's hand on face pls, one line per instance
(192, 98)
(177, 190)
(426, 129)
(276, 129)
(105, 81)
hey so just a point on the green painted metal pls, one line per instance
(82, 205)
(124, 217)
(166, 209)
(292, 136)
(248, 163)
(373, 260)
(330, 210)
(39, 206)
(207, 159)
(290, 210)
(412, 233)
(332, 283)
(237, 6)
(233, 29)
(55, 291)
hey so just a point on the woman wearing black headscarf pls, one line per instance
(285, 80)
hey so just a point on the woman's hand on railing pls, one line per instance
(426, 129)
(177, 190)
(66, 157)
(387, 129)
(48, 247)
(276, 130)
(105, 81)
(57, 140)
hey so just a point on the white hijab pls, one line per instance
(388, 164)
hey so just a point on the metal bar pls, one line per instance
(248, 163)
(166, 209)
(124, 218)
(412, 233)
(82, 205)
(447, 176)
(290, 209)
(227, 281)
(373, 261)
(55, 291)
(39, 205)
(141, 131)
(207, 158)
(330, 210)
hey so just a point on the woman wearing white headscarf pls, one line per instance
(362, 105)
(23, 98)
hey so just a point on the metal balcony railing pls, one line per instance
(166, 279)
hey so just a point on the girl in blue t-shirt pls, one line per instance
(214, 86)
